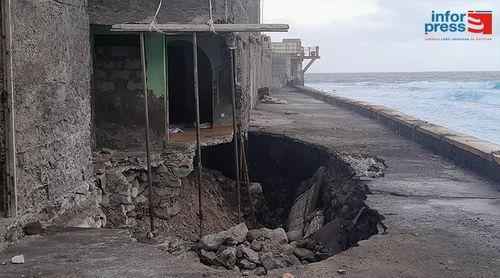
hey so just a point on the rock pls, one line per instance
(306, 243)
(304, 254)
(208, 257)
(341, 271)
(247, 264)
(249, 254)
(33, 228)
(288, 249)
(271, 261)
(212, 242)
(237, 233)
(322, 255)
(258, 233)
(259, 271)
(287, 275)
(316, 223)
(162, 169)
(256, 246)
(227, 257)
(293, 260)
(19, 259)
(294, 236)
(279, 235)
(221, 249)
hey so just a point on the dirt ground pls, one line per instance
(442, 220)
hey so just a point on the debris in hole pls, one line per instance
(365, 166)
(311, 193)
(254, 252)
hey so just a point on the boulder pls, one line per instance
(256, 246)
(248, 254)
(212, 242)
(294, 236)
(237, 233)
(306, 243)
(246, 264)
(227, 258)
(279, 235)
(271, 261)
(316, 223)
(288, 248)
(208, 257)
(259, 271)
(304, 254)
(259, 233)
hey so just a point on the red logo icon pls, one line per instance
(480, 22)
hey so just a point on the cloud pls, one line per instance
(316, 12)
(383, 35)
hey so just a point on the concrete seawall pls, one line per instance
(479, 155)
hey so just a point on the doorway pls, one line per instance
(181, 84)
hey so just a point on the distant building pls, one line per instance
(287, 61)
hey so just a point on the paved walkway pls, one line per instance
(443, 220)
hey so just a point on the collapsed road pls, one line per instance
(442, 220)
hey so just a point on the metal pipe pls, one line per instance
(235, 133)
(198, 143)
(167, 94)
(148, 154)
(9, 111)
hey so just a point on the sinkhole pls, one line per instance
(305, 188)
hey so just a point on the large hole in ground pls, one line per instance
(306, 189)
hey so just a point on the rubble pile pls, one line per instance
(254, 252)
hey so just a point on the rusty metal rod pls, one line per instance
(10, 194)
(146, 114)
(235, 133)
(198, 143)
(167, 94)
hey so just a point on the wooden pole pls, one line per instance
(148, 154)
(235, 134)
(9, 112)
(189, 28)
(198, 143)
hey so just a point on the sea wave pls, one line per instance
(471, 107)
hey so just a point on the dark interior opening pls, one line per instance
(181, 88)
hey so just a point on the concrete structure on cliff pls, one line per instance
(288, 57)
(78, 88)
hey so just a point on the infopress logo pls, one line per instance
(470, 23)
(480, 22)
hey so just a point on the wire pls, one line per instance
(211, 20)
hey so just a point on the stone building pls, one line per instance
(77, 89)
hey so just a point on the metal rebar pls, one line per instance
(146, 115)
(10, 200)
(167, 95)
(235, 135)
(198, 144)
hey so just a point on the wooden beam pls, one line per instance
(189, 28)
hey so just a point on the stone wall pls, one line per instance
(2, 131)
(253, 68)
(179, 11)
(52, 105)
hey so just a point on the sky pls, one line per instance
(383, 35)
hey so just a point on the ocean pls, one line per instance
(468, 102)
